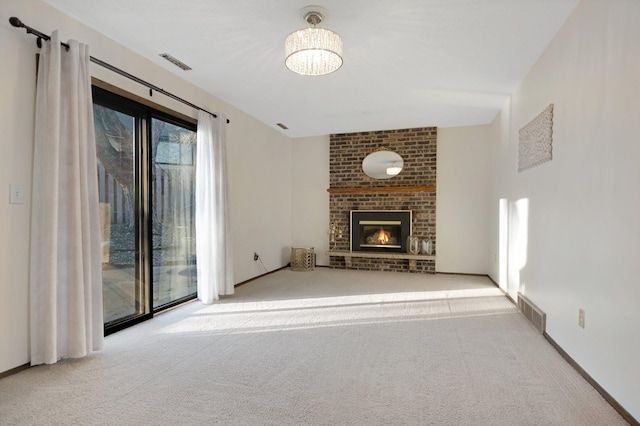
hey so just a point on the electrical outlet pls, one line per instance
(581, 318)
(256, 256)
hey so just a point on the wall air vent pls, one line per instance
(533, 313)
(176, 62)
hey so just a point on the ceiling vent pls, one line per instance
(176, 62)
(282, 126)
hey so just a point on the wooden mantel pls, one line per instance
(382, 189)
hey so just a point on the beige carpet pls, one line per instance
(326, 347)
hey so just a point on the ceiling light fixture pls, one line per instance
(313, 51)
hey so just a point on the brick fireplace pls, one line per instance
(351, 189)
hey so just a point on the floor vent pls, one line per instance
(533, 313)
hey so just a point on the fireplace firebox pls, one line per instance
(380, 230)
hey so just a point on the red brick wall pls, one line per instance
(418, 149)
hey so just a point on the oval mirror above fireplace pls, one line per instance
(382, 164)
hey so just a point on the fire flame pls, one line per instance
(383, 236)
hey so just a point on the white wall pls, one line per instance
(573, 223)
(310, 197)
(463, 205)
(16, 122)
(260, 191)
(259, 161)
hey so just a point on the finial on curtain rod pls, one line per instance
(16, 22)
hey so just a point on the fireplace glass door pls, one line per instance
(380, 234)
(380, 230)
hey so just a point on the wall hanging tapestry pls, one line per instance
(534, 147)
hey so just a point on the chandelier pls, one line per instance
(313, 51)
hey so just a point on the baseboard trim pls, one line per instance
(462, 273)
(14, 370)
(616, 406)
(260, 276)
(493, 281)
(482, 275)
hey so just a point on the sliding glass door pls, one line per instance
(146, 176)
(173, 214)
(117, 147)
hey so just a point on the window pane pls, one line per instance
(123, 292)
(173, 217)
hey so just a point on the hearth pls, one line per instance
(380, 230)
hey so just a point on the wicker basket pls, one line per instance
(302, 259)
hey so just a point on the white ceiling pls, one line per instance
(407, 63)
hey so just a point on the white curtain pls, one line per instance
(66, 269)
(213, 230)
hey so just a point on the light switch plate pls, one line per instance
(16, 193)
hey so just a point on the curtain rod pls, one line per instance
(16, 22)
